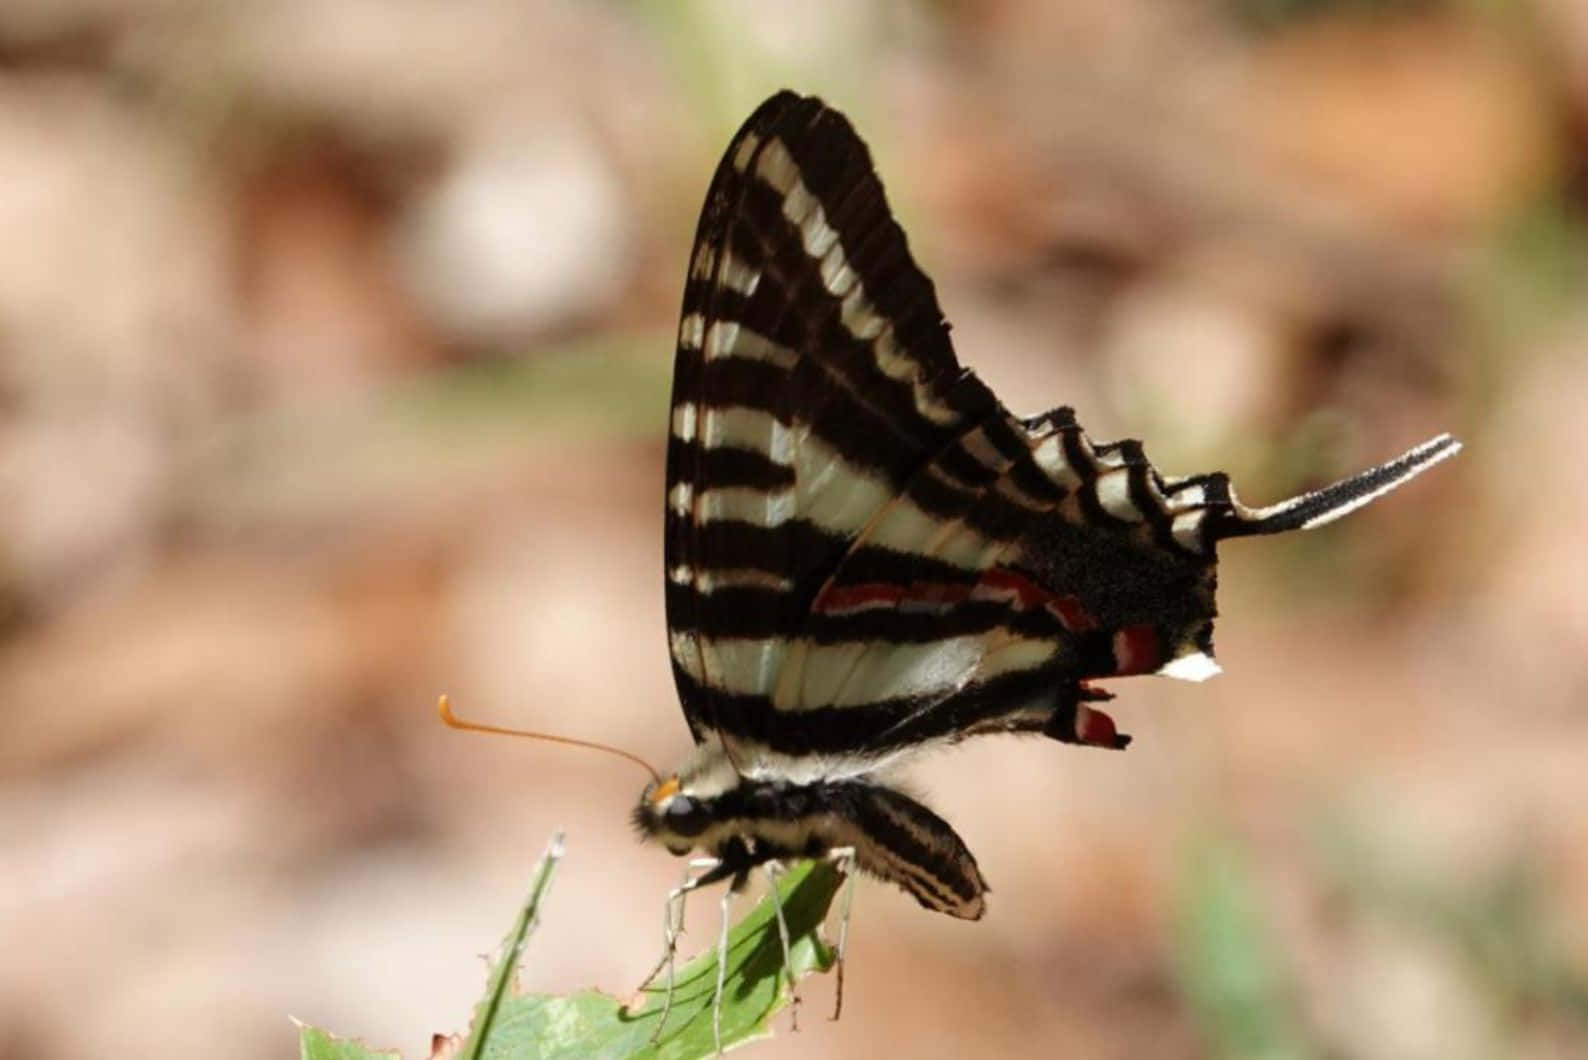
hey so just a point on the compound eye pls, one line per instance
(685, 816)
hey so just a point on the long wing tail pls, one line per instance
(1331, 502)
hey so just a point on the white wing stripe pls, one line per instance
(857, 316)
(738, 276)
(778, 169)
(684, 416)
(681, 497)
(836, 274)
(809, 676)
(833, 494)
(1113, 493)
(704, 261)
(710, 581)
(747, 146)
(742, 427)
(906, 527)
(726, 338)
(745, 504)
(1049, 455)
(691, 331)
(1187, 529)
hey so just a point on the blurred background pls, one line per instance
(334, 353)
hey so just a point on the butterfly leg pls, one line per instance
(672, 927)
(707, 867)
(722, 970)
(773, 871)
(844, 859)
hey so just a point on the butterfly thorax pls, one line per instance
(709, 805)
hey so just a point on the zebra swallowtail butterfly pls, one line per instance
(867, 554)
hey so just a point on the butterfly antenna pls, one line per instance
(444, 708)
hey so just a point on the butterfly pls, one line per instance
(868, 554)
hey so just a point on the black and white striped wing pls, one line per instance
(866, 551)
(813, 376)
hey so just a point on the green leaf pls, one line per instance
(512, 949)
(315, 1044)
(593, 1024)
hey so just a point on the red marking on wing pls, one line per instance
(996, 585)
(1000, 583)
(938, 595)
(1095, 728)
(863, 596)
(1003, 583)
(1136, 650)
(1071, 615)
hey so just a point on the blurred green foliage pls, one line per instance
(614, 385)
(1497, 931)
(1498, 925)
(1276, 14)
(1234, 980)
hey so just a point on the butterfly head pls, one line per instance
(680, 810)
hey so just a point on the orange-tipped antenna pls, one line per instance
(444, 708)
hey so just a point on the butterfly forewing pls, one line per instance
(802, 401)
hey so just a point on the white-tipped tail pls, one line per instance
(1331, 502)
